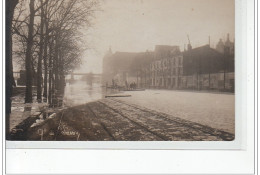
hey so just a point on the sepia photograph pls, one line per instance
(120, 70)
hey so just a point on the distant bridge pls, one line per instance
(18, 75)
(90, 75)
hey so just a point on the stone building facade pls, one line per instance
(168, 68)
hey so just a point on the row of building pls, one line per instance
(169, 68)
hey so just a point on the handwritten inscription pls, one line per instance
(68, 131)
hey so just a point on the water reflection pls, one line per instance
(80, 93)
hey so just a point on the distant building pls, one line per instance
(202, 65)
(122, 68)
(226, 47)
(169, 68)
(220, 46)
(202, 60)
(141, 65)
(166, 67)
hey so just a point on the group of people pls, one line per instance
(131, 86)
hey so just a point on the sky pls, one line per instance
(139, 25)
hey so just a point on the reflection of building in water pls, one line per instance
(169, 68)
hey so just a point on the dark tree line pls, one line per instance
(44, 36)
(10, 6)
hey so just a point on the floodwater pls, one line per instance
(75, 94)
(80, 93)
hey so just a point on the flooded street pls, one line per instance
(140, 115)
(83, 113)
(113, 119)
(80, 92)
(75, 94)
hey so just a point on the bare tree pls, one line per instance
(28, 57)
(48, 32)
(39, 68)
(26, 30)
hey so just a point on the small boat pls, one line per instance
(107, 96)
(134, 90)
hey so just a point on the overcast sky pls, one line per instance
(139, 25)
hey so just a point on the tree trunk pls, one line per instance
(45, 59)
(39, 68)
(50, 75)
(60, 72)
(28, 57)
(10, 6)
(62, 76)
(53, 98)
(56, 63)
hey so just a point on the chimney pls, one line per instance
(228, 37)
(189, 47)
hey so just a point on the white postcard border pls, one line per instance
(113, 160)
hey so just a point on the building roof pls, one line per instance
(165, 51)
(203, 51)
(202, 60)
(128, 61)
